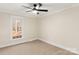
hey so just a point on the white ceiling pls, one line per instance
(16, 8)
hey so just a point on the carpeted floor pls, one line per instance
(36, 47)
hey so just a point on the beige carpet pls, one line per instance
(34, 48)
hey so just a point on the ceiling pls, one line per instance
(16, 8)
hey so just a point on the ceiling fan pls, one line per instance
(36, 8)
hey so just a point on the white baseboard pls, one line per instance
(15, 42)
(60, 46)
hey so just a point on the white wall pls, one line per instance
(62, 29)
(29, 30)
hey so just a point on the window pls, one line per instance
(16, 27)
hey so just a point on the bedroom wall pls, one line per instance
(62, 29)
(29, 30)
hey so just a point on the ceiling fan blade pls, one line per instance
(29, 11)
(27, 7)
(42, 10)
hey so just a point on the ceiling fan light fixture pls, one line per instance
(37, 7)
(34, 12)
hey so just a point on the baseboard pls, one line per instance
(11, 43)
(60, 46)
